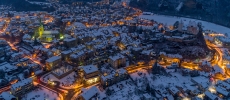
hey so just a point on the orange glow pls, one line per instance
(12, 46)
(47, 46)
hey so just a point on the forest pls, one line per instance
(216, 11)
(22, 5)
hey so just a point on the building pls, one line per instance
(222, 40)
(192, 28)
(53, 62)
(132, 26)
(210, 96)
(90, 74)
(218, 72)
(114, 77)
(62, 71)
(206, 66)
(70, 42)
(7, 96)
(8, 68)
(66, 55)
(90, 94)
(22, 87)
(49, 36)
(223, 92)
(147, 96)
(117, 61)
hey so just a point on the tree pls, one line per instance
(148, 88)
(26, 74)
(2, 74)
(108, 92)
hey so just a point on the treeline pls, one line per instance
(22, 5)
(71, 1)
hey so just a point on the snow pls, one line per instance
(170, 20)
(6, 96)
(222, 91)
(62, 70)
(54, 58)
(90, 93)
(6, 67)
(118, 56)
(124, 90)
(217, 69)
(210, 95)
(89, 69)
(22, 83)
(41, 94)
(68, 81)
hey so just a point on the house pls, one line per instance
(206, 66)
(210, 96)
(8, 68)
(218, 72)
(7, 96)
(22, 87)
(146, 96)
(174, 91)
(78, 58)
(90, 94)
(201, 82)
(49, 36)
(70, 42)
(223, 92)
(117, 61)
(66, 55)
(114, 77)
(53, 62)
(192, 28)
(16, 56)
(222, 40)
(90, 74)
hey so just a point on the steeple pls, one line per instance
(41, 28)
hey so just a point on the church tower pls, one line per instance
(40, 29)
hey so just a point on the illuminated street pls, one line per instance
(109, 50)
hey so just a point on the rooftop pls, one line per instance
(52, 59)
(89, 69)
(22, 83)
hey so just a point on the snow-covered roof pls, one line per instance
(222, 91)
(6, 96)
(118, 56)
(210, 95)
(89, 69)
(22, 83)
(7, 67)
(217, 69)
(223, 38)
(51, 32)
(200, 80)
(147, 96)
(206, 63)
(52, 59)
(90, 93)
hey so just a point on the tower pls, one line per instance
(40, 29)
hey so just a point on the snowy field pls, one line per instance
(157, 80)
(124, 90)
(170, 20)
(41, 94)
(67, 82)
